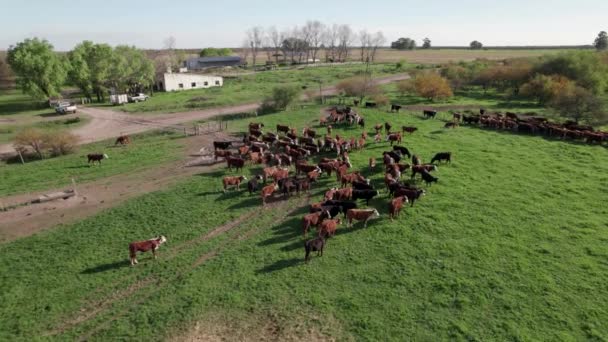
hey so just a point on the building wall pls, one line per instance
(190, 81)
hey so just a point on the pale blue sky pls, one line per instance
(219, 23)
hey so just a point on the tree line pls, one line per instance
(312, 42)
(95, 69)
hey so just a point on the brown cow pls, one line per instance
(268, 172)
(233, 181)
(235, 162)
(329, 194)
(372, 163)
(396, 137)
(256, 157)
(243, 150)
(420, 168)
(280, 174)
(314, 175)
(394, 207)
(408, 129)
(123, 140)
(346, 179)
(313, 219)
(222, 154)
(378, 128)
(144, 246)
(343, 194)
(267, 191)
(328, 228)
(361, 215)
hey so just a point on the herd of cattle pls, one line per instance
(286, 154)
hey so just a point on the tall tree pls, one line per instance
(276, 39)
(330, 38)
(365, 43)
(90, 68)
(475, 45)
(601, 42)
(404, 44)
(377, 41)
(426, 43)
(131, 70)
(40, 71)
(345, 40)
(254, 39)
(579, 104)
(315, 29)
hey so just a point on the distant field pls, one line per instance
(508, 245)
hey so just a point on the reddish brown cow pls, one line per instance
(235, 162)
(233, 181)
(361, 215)
(347, 179)
(372, 163)
(268, 172)
(396, 137)
(144, 246)
(243, 150)
(305, 168)
(420, 168)
(343, 194)
(267, 191)
(329, 194)
(222, 154)
(328, 228)
(256, 157)
(313, 220)
(280, 174)
(314, 175)
(123, 140)
(394, 207)
(408, 129)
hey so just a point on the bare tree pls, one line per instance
(275, 39)
(376, 42)
(330, 38)
(244, 51)
(345, 39)
(254, 38)
(316, 29)
(169, 43)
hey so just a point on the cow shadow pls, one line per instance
(106, 267)
(250, 201)
(279, 265)
(284, 232)
(78, 167)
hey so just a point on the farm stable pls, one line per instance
(184, 81)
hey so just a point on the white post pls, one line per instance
(74, 187)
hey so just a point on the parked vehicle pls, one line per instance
(119, 99)
(65, 107)
(139, 97)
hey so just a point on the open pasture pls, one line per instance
(508, 245)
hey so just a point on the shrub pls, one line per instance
(31, 138)
(400, 65)
(432, 86)
(405, 87)
(380, 99)
(545, 88)
(359, 86)
(61, 143)
(283, 96)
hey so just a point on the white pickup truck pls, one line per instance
(139, 97)
(65, 107)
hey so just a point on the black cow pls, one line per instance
(254, 184)
(428, 178)
(447, 156)
(237, 163)
(395, 108)
(393, 154)
(222, 145)
(370, 104)
(96, 157)
(345, 205)
(287, 186)
(362, 122)
(362, 186)
(333, 210)
(364, 195)
(314, 245)
(402, 150)
(429, 113)
(411, 194)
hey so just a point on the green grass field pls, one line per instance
(250, 88)
(147, 150)
(509, 245)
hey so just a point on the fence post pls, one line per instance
(74, 187)
(21, 156)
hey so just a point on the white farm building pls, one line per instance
(184, 81)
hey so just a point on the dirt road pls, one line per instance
(106, 123)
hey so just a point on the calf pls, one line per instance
(447, 156)
(429, 114)
(396, 137)
(254, 184)
(328, 228)
(96, 157)
(370, 104)
(364, 194)
(411, 194)
(314, 175)
(329, 194)
(123, 140)
(267, 191)
(395, 108)
(394, 207)
(233, 181)
(428, 178)
(408, 129)
(402, 150)
(450, 125)
(314, 219)
(144, 246)
(358, 185)
(372, 163)
(361, 215)
(343, 194)
(222, 145)
(333, 210)
(314, 245)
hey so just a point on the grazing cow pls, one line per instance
(396, 137)
(456, 116)
(269, 172)
(402, 150)
(411, 194)
(393, 154)
(394, 207)
(222, 145)
(123, 140)
(280, 174)
(364, 195)
(256, 125)
(447, 156)
(346, 179)
(235, 162)
(370, 104)
(305, 168)
(470, 119)
(313, 220)
(267, 191)
(314, 175)
(243, 150)
(408, 129)
(344, 194)
(416, 160)
(428, 178)
(361, 122)
(395, 108)
(302, 185)
(450, 125)
(378, 128)
(287, 186)
(96, 157)
(387, 127)
(420, 168)
(221, 154)
(255, 132)
(144, 246)
(333, 210)
(256, 157)
(429, 114)
(328, 228)
(315, 245)
(361, 215)
(329, 194)
(281, 128)
(372, 163)
(254, 184)
(358, 185)
(233, 181)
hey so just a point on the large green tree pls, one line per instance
(601, 42)
(40, 71)
(90, 68)
(476, 45)
(404, 44)
(584, 67)
(131, 70)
